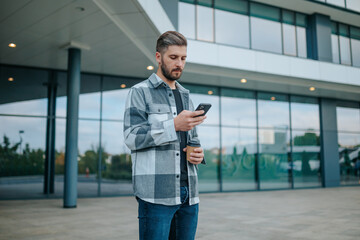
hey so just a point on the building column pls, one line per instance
(49, 174)
(330, 167)
(319, 38)
(71, 144)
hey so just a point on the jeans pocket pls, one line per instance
(184, 192)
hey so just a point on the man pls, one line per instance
(159, 121)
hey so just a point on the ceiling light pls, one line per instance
(243, 80)
(10, 79)
(312, 89)
(123, 86)
(150, 67)
(273, 98)
(12, 45)
(210, 92)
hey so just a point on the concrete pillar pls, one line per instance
(71, 144)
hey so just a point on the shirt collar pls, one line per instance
(157, 81)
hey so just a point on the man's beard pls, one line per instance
(167, 73)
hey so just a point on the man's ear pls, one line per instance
(158, 57)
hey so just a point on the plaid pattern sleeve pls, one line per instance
(149, 132)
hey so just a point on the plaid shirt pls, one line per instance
(149, 132)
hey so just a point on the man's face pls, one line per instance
(172, 62)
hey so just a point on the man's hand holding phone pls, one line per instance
(187, 120)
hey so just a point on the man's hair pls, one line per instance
(170, 38)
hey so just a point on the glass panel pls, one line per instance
(213, 113)
(238, 160)
(306, 159)
(345, 54)
(335, 48)
(304, 115)
(238, 111)
(236, 6)
(355, 32)
(229, 33)
(89, 100)
(289, 39)
(334, 28)
(22, 91)
(340, 3)
(274, 158)
(348, 119)
(265, 11)
(266, 35)
(355, 52)
(288, 17)
(344, 30)
(188, 1)
(88, 145)
(208, 174)
(207, 3)
(353, 4)
(187, 20)
(273, 110)
(116, 169)
(301, 41)
(349, 153)
(301, 20)
(22, 157)
(205, 23)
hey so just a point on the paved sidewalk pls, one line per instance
(331, 214)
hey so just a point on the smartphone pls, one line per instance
(203, 106)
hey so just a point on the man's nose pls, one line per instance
(180, 63)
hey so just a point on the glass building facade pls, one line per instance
(252, 140)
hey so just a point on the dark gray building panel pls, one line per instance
(329, 141)
(171, 9)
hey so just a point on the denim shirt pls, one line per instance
(150, 134)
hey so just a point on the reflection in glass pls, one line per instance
(89, 105)
(274, 158)
(205, 23)
(340, 3)
(353, 4)
(289, 39)
(266, 35)
(348, 119)
(301, 41)
(237, 111)
(187, 20)
(345, 55)
(355, 52)
(335, 48)
(349, 154)
(208, 174)
(305, 116)
(114, 104)
(116, 165)
(306, 159)
(22, 156)
(273, 113)
(31, 107)
(238, 158)
(229, 33)
(213, 113)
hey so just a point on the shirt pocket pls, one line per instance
(158, 113)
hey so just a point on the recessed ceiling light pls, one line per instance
(150, 67)
(210, 92)
(12, 45)
(312, 89)
(10, 79)
(123, 86)
(273, 98)
(243, 80)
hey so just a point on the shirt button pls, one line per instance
(170, 94)
(174, 113)
(177, 176)
(177, 154)
(158, 110)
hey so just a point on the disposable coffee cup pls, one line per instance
(190, 148)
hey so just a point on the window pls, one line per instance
(205, 23)
(187, 20)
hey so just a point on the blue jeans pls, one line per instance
(161, 222)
